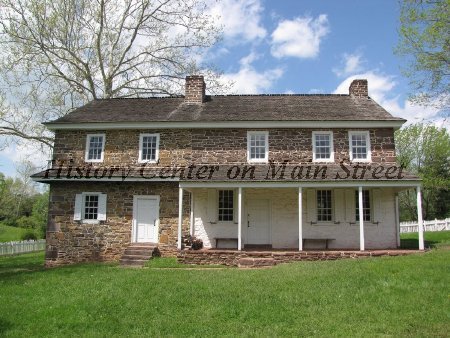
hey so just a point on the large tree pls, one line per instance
(58, 54)
(425, 151)
(425, 44)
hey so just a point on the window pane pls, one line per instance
(226, 205)
(323, 146)
(149, 147)
(90, 206)
(257, 146)
(324, 205)
(95, 147)
(359, 146)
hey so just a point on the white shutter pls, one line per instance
(350, 206)
(376, 201)
(311, 203)
(339, 205)
(77, 208)
(101, 216)
(213, 205)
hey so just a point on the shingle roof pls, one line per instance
(331, 107)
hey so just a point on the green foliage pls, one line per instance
(10, 233)
(371, 297)
(425, 151)
(29, 235)
(22, 206)
(425, 44)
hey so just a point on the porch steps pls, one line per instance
(137, 254)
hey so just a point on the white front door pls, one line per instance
(145, 218)
(258, 222)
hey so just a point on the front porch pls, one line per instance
(285, 215)
(255, 258)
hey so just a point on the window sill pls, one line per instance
(90, 221)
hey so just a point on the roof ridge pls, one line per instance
(221, 95)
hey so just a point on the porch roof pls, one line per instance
(307, 174)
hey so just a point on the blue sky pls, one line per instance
(288, 46)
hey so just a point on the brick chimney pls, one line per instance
(359, 88)
(194, 90)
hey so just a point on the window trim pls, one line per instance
(86, 155)
(316, 132)
(332, 206)
(218, 206)
(83, 207)
(366, 133)
(266, 153)
(141, 141)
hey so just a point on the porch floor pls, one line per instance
(254, 257)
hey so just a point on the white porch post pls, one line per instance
(300, 220)
(420, 218)
(240, 219)
(397, 219)
(191, 221)
(180, 215)
(361, 218)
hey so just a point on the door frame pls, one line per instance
(269, 219)
(133, 222)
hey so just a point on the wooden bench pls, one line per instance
(217, 239)
(325, 240)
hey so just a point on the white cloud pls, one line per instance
(380, 89)
(350, 64)
(239, 18)
(248, 80)
(25, 151)
(300, 37)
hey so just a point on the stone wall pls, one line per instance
(70, 241)
(213, 146)
(265, 258)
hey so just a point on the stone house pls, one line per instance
(298, 172)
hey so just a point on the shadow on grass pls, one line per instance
(413, 243)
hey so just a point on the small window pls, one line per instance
(149, 148)
(324, 206)
(95, 145)
(359, 144)
(257, 146)
(90, 207)
(226, 210)
(366, 205)
(323, 146)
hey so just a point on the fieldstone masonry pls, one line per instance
(70, 241)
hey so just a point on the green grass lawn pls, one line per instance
(8, 233)
(388, 296)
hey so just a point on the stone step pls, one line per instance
(253, 262)
(138, 252)
(128, 256)
(132, 262)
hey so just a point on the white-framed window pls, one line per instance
(95, 147)
(258, 146)
(323, 150)
(359, 145)
(366, 206)
(324, 205)
(90, 207)
(149, 148)
(226, 205)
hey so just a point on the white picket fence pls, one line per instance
(13, 248)
(436, 225)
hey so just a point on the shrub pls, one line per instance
(27, 222)
(197, 243)
(29, 235)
